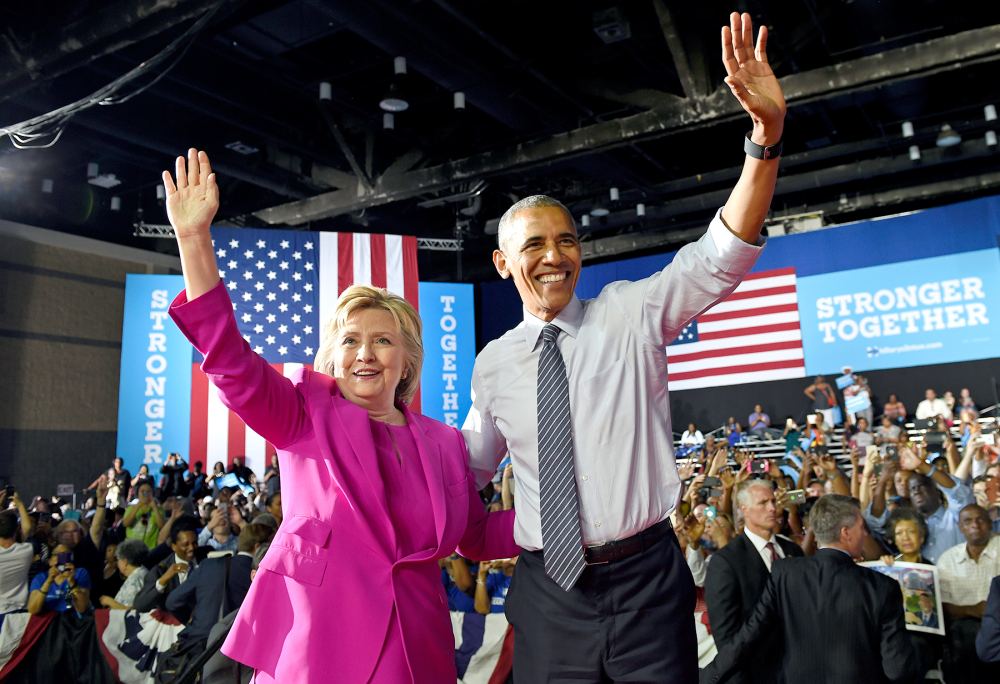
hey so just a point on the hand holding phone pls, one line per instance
(795, 496)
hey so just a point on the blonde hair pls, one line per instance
(360, 297)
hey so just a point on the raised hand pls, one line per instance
(908, 459)
(750, 78)
(193, 200)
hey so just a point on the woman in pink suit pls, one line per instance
(350, 589)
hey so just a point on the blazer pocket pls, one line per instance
(290, 563)
(312, 530)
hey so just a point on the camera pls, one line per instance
(63, 559)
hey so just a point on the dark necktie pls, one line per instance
(562, 541)
(772, 551)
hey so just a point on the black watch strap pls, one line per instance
(760, 151)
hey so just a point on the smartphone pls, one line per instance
(796, 496)
(62, 559)
(712, 482)
(892, 452)
(711, 512)
(759, 466)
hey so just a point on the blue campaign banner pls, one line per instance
(913, 313)
(448, 314)
(154, 388)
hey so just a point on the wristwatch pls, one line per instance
(763, 152)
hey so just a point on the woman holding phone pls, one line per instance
(349, 590)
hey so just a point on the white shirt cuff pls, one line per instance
(739, 256)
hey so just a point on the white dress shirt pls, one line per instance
(965, 582)
(182, 576)
(614, 348)
(760, 543)
(929, 408)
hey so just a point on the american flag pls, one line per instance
(752, 335)
(284, 285)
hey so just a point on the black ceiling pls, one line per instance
(551, 107)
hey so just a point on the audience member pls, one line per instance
(965, 572)
(207, 595)
(492, 582)
(760, 424)
(129, 556)
(692, 436)
(272, 477)
(140, 478)
(273, 506)
(15, 559)
(838, 622)
(170, 573)
(894, 409)
(172, 476)
(64, 587)
(737, 574)
(907, 530)
(932, 406)
(218, 533)
(887, 432)
(144, 519)
(929, 488)
(822, 398)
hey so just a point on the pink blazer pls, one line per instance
(319, 608)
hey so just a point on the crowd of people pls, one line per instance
(929, 495)
(175, 540)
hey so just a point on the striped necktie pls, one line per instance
(562, 541)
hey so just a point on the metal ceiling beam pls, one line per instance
(102, 32)
(693, 76)
(948, 53)
(625, 244)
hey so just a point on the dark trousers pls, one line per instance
(961, 664)
(630, 620)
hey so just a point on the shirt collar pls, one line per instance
(989, 552)
(178, 559)
(568, 320)
(758, 541)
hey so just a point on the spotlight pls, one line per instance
(395, 99)
(948, 137)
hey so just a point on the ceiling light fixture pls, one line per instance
(47, 186)
(640, 209)
(161, 192)
(991, 138)
(92, 170)
(458, 100)
(395, 99)
(325, 91)
(116, 203)
(907, 129)
(585, 221)
(914, 153)
(990, 112)
(614, 194)
(948, 137)
(598, 212)
(388, 121)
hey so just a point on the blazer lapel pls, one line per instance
(430, 462)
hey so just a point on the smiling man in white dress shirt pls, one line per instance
(602, 592)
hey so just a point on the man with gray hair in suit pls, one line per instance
(838, 621)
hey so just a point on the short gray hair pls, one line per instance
(532, 202)
(831, 514)
(743, 490)
(132, 551)
(258, 555)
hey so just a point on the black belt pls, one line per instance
(623, 548)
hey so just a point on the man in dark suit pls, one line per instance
(839, 622)
(201, 595)
(988, 639)
(737, 575)
(171, 572)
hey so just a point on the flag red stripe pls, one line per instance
(377, 246)
(198, 445)
(411, 290)
(760, 329)
(746, 313)
(236, 444)
(790, 270)
(345, 261)
(734, 351)
(748, 368)
(101, 616)
(33, 631)
(763, 292)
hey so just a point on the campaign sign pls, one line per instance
(911, 313)
(448, 314)
(154, 389)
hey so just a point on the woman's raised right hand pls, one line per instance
(193, 200)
